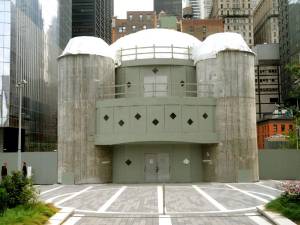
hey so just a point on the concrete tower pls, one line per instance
(84, 68)
(225, 71)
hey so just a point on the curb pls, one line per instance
(275, 218)
(61, 216)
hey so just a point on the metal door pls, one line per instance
(151, 168)
(163, 173)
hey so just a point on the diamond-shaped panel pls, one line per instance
(205, 115)
(128, 162)
(155, 122)
(182, 83)
(121, 123)
(137, 116)
(154, 70)
(173, 116)
(190, 121)
(128, 84)
(106, 117)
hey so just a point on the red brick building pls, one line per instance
(136, 21)
(202, 28)
(273, 126)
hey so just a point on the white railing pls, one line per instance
(154, 52)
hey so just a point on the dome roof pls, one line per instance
(218, 42)
(155, 38)
(87, 45)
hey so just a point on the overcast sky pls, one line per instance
(122, 6)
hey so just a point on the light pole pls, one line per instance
(20, 85)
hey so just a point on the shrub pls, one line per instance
(20, 190)
(3, 200)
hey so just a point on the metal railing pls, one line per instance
(154, 52)
(155, 89)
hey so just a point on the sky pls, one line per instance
(122, 6)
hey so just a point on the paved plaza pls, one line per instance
(158, 204)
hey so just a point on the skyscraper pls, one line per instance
(92, 18)
(289, 40)
(201, 8)
(237, 15)
(31, 39)
(171, 7)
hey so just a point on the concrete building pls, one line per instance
(201, 28)
(30, 41)
(161, 109)
(289, 41)
(267, 79)
(92, 18)
(167, 21)
(265, 21)
(136, 21)
(171, 7)
(237, 16)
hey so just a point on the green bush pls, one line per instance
(3, 200)
(20, 190)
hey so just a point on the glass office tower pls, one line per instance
(92, 18)
(289, 41)
(171, 7)
(32, 35)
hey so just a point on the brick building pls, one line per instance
(272, 127)
(135, 21)
(201, 28)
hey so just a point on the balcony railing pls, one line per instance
(155, 89)
(154, 52)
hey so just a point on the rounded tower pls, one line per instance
(225, 71)
(85, 68)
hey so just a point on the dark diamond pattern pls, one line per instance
(155, 122)
(106, 117)
(190, 121)
(182, 83)
(128, 84)
(154, 70)
(173, 116)
(205, 115)
(137, 116)
(128, 162)
(121, 123)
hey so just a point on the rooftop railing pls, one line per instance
(155, 52)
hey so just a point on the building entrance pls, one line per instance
(157, 167)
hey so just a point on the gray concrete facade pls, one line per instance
(230, 79)
(80, 80)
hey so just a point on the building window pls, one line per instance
(133, 27)
(120, 29)
(273, 100)
(275, 128)
(290, 127)
(141, 17)
(144, 27)
(148, 17)
(130, 17)
(282, 127)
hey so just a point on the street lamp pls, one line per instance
(20, 85)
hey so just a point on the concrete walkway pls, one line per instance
(170, 204)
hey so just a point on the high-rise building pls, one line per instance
(265, 21)
(136, 21)
(171, 7)
(289, 40)
(237, 16)
(201, 8)
(92, 18)
(32, 35)
(267, 79)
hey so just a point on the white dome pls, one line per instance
(218, 42)
(148, 41)
(87, 45)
